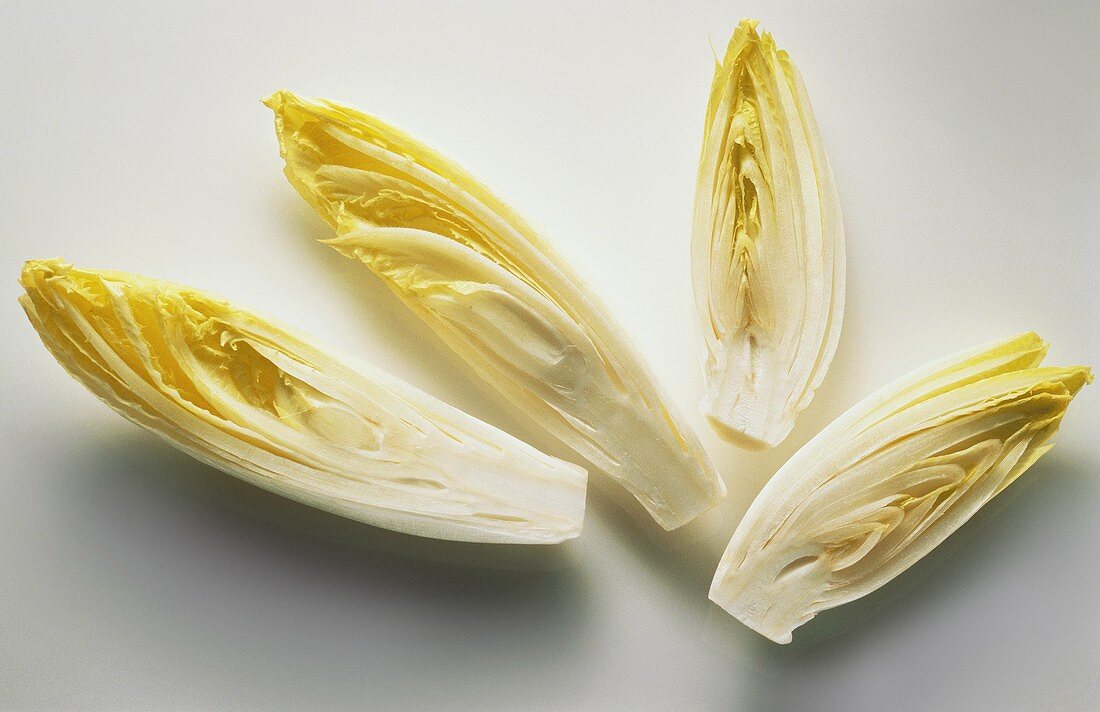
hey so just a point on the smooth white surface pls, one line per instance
(965, 145)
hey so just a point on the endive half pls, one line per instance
(254, 399)
(889, 480)
(498, 295)
(767, 245)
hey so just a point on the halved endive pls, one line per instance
(257, 400)
(767, 245)
(498, 295)
(889, 480)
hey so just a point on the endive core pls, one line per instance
(767, 245)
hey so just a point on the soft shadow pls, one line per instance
(166, 543)
(987, 540)
(691, 553)
(132, 464)
(687, 557)
(685, 560)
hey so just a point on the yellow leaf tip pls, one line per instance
(279, 99)
(1081, 377)
(42, 268)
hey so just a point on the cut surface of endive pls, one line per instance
(498, 295)
(767, 245)
(255, 399)
(889, 480)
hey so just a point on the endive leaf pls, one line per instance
(767, 245)
(498, 295)
(254, 399)
(889, 480)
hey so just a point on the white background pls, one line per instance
(965, 145)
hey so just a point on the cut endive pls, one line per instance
(252, 398)
(498, 295)
(767, 245)
(889, 480)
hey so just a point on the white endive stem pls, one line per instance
(499, 296)
(767, 245)
(268, 405)
(889, 480)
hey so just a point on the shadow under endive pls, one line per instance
(136, 462)
(188, 547)
(986, 540)
(686, 559)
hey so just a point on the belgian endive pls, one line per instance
(767, 245)
(255, 399)
(497, 293)
(889, 480)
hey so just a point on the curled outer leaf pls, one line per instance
(767, 245)
(889, 480)
(252, 398)
(498, 295)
